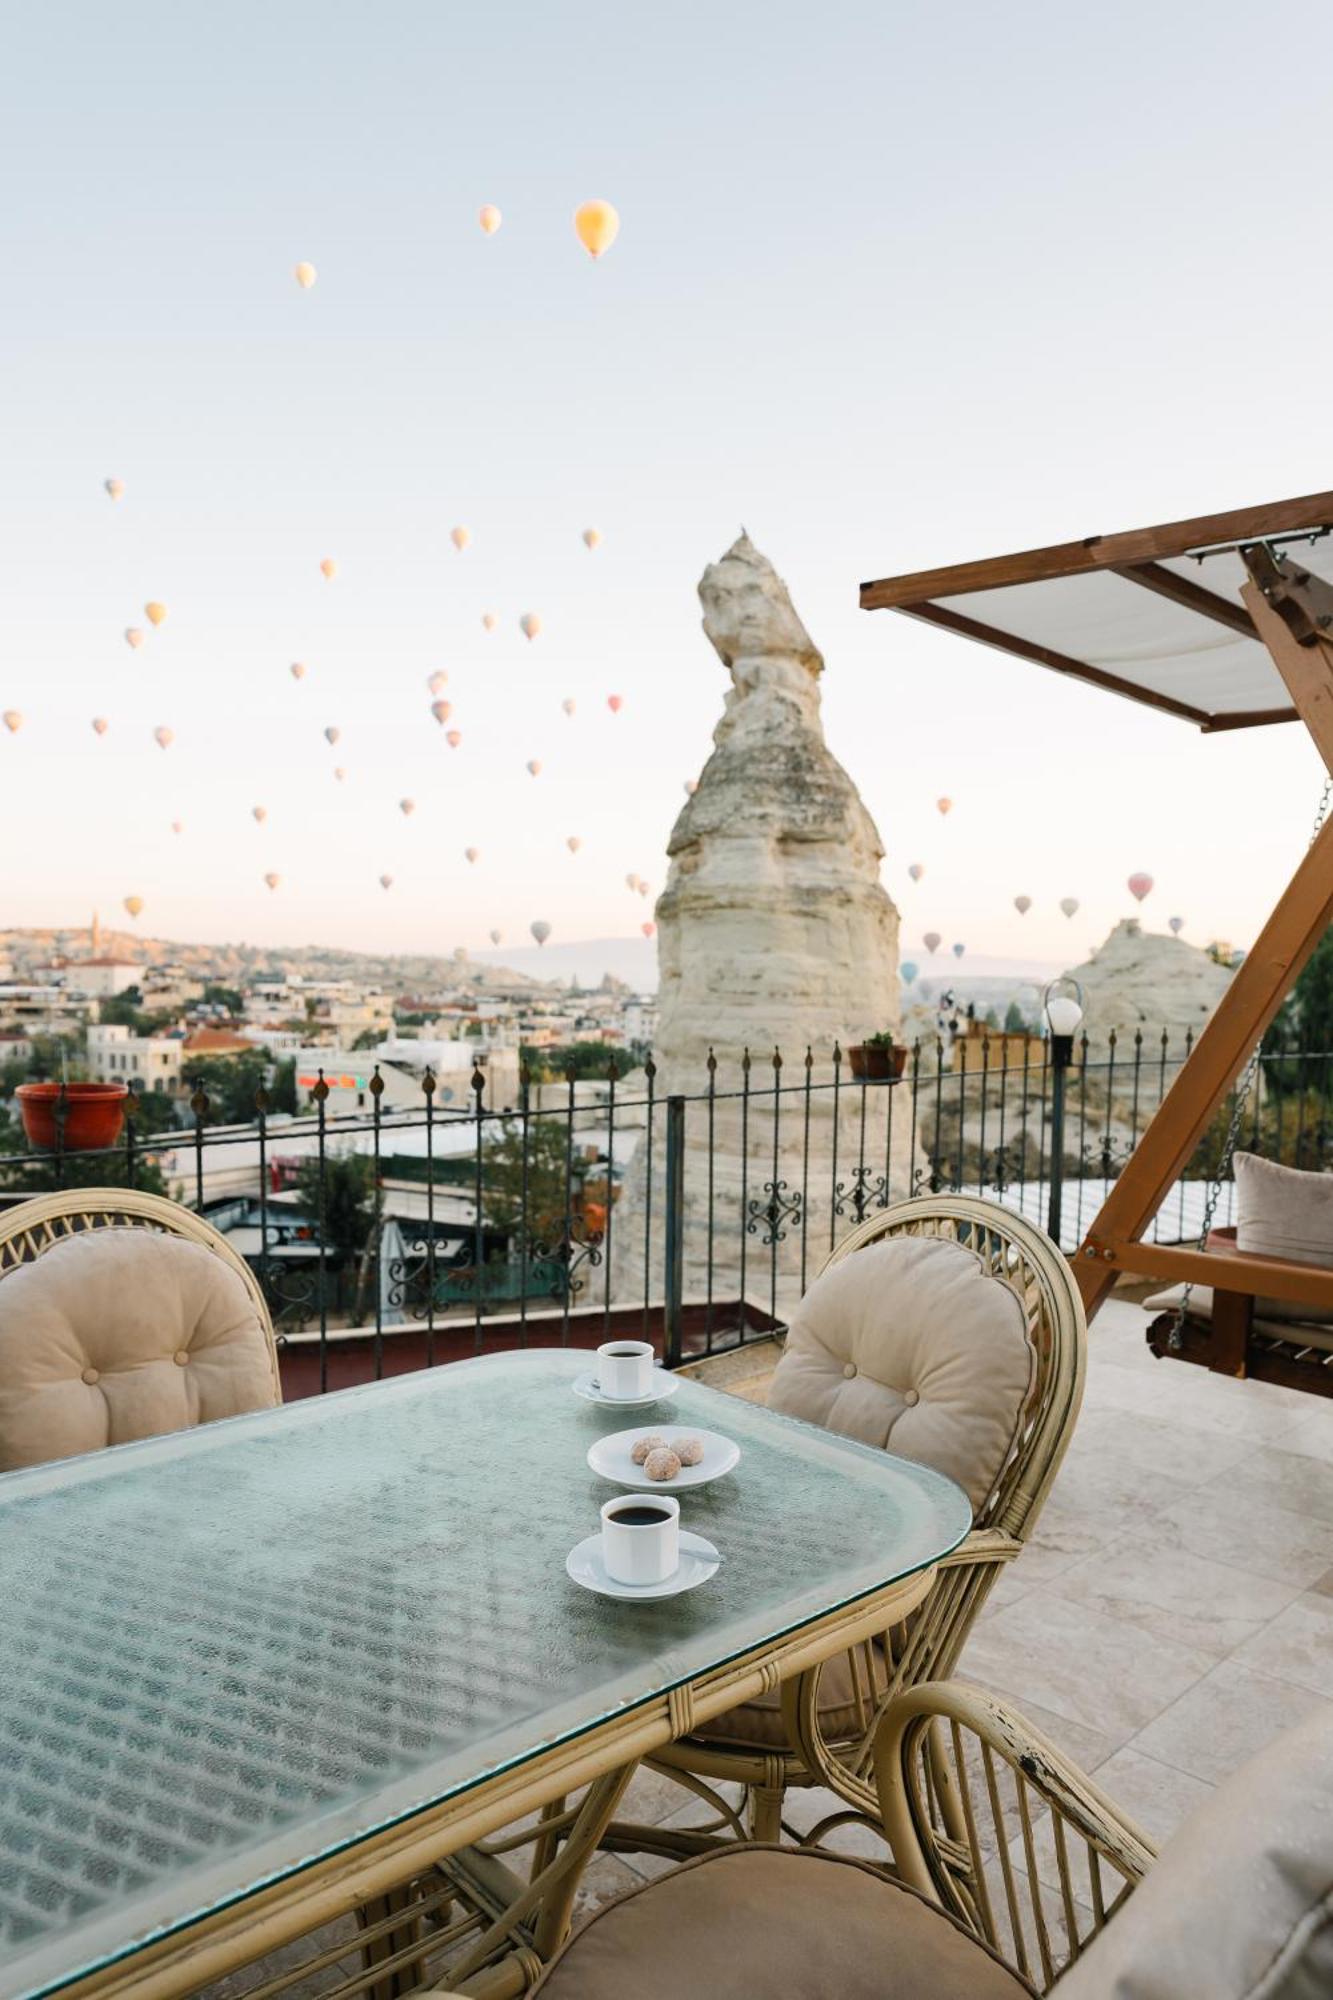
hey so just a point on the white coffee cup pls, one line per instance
(625, 1369)
(635, 1550)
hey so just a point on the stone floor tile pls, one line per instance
(1302, 1484)
(1313, 1436)
(1149, 1581)
(1297, 1646)
(1250, 1534)
(1158, 1447)
(1224, 1719)
(603, 1880)
(1155, 1795)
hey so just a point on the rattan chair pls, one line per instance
(1021, 1256)
(236, 1351)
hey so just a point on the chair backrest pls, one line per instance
(122, 1315)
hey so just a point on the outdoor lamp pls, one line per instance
(1062, 1004)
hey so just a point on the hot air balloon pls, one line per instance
(931, 941)
(305, 276)
(489, 217)
(331, 734)
(13, 720)
(133, 904)
(631, 881)
(647, 929)
(339, 773)
(99, 725)
(615, 702)
(534, 767)
(155, 613)
(407, 807)
(115, 487)
(568, 704)
(164, 738)
(273, 880)
(386, 881)
(178, 826)
(573, 843)
(496, 936)
(133, 638)
(591, 537)
(438, 681)
(908, 971)
(1069, 904)
(473, 854)
(1175, 925)
(441, 710)
(460, 537)
(691, 787)
(597, 226)
(644, 887)
(530, 625)
(958, 950)
(453, 737)
(1022, 904)
(297, 670)
(328, 568)
(259, 814)
(943, 806)
(540, 930)
(1139, 886)
(489, 620)
(917, 870)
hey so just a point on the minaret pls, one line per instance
(94, 938)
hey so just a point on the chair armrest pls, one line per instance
(982, 1545)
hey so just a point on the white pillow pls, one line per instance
(1283, 1212)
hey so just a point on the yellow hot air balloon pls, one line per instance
(568, 704)
(305, 276)
(115, 487)
(134, 904)
(164, 738)
(573, 843)
(489, 217)
(156, 614)
(273, 880)
(13, 720)
(331, 734)
(473, 854)
(597, 226)
(259, 814)
(534, 767)
(592, 538)
(530, 625)
(133, 638)
(441, 710)
(407, 807)
(99, 725)
(438, 681)
(329, 568)
(460, 537)
(297, 670)
(386, 881)
(489, 620)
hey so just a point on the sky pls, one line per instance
(893, 287)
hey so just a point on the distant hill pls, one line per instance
(632, 960)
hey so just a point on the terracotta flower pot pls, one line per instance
(873, 1063)
(94, 1114)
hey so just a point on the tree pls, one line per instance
(369, 1038)
(1015, 1021)
(344, 1200)
(42, 1173)
(586, 1060)
(232, 1084)
(125, 1010)
(224, 996)
(525, 1190)
(1305, 1022)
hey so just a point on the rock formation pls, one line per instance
(1143, 980)
(773, 931)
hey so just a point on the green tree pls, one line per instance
(22, 1172)
(344, 1201)
(1015, 1021)
(369, 1038)
(233, 1082)
(224, 996)
(125, 1010)
(1305, 1021)
(524, 1189)
(586, 1060)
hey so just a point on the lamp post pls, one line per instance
(1062, 1004)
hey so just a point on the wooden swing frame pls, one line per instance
(1290, 610)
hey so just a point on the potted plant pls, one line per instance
(75, 1117)
(878, 1059)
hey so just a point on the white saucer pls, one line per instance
(610, 1458)
(698, 1561)
(664, 1384)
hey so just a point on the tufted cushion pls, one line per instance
(116, 1334)
(1240, 1904)
(912, 1345)
(775, 1923)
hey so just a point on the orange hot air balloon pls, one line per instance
(273, 880)
(178, 826)
(305, 276)
(496, 936)
(1139, 886)
(943, 806)
(460, 537)
(489, 217)
(297, 670)
(489, 620)
(115, 487)
(573, 843)
(568, 704)
(438, 681)
(164, 738)
(386, 881)
(156, 614)
(541, 930)
(615, 702)
(472, 854)
(530, 625)
(1022, 904)
(441, 710)
(916, 871)
(931, 941)
(99, 725)
(592, 538)
(453, 737)
(647, 929)
(133, 904)
(534, 767)
(331, 734)
(339, 773)
(407, 807)
(133, 638)
(597, 225)
(329, 568)
(259, 814)
(13, 720)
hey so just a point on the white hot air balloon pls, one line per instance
(573, 843)
(496, 936)
(541, 930)
(441, 710)
(645, 888)
(460, 537)
(1175, 925)
(297, 670)
(592, 538)
(331, 734)
(490, 218)
(328, 568)
(530, 625)
(631, 881)
(407, 807)
(115, 487)
(917, 870)
(534, 767)
(931, 941)
(1069, 904)
(568, 704)
(489, 621)
(273, 880)
(1022, 904)
(472, 854)
(164, 738)
(305, 275)
(259, 814)
(133, 637)
(438, 681)
(99, 725)
(386, 881)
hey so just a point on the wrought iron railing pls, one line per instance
(407, 1236)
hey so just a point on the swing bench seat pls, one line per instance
(1241, 1316)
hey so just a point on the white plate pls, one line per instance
(698, 1561)
(610, 1458)
(665, 1384)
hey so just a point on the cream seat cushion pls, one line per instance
(776, 1923)
(912, 1345)
(1239, 1906)
(117, 1334)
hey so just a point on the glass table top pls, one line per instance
(227, 1653)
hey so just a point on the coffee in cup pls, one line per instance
(641, 1538)
(625, 1369)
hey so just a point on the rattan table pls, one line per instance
(256, 1676)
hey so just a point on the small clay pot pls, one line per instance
(94, 1114)
(872, 1063)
